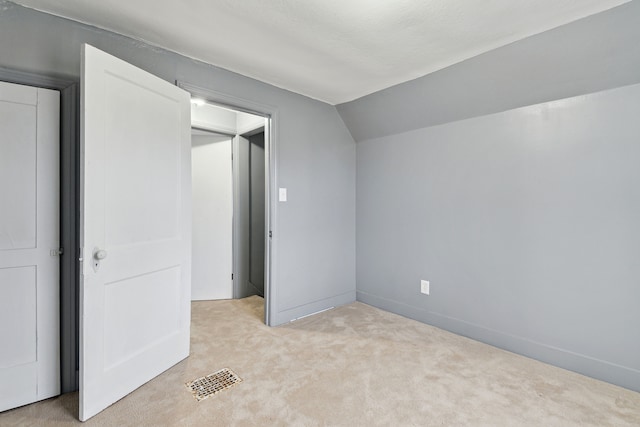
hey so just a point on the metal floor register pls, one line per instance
(207, 386)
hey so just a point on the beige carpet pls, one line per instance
(352, 366)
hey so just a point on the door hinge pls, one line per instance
(231, 276)
(270, 233)
(56, 252)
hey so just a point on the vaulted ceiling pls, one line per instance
(331, 50)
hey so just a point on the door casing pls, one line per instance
(271, 114)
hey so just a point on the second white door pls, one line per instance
(29, 243)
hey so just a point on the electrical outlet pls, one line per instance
(424, 287)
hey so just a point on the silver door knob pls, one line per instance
(100, 254)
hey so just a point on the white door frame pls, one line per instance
(270, 113)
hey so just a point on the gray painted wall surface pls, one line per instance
(242, 218)
(315, 152)
(596, 53)
(257, 233)
(526, 224)
(249, 213)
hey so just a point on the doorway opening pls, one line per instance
(230, 187)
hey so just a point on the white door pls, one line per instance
(136, 228)
(29, 240)
(212, 190)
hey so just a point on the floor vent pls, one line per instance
(213, 383)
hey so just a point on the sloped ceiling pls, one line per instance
(331, 50)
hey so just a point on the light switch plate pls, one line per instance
(424, 287)
(282, 194)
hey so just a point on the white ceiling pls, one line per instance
(331, 50)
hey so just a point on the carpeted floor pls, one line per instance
(352, 366)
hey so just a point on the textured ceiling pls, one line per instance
(331, 50)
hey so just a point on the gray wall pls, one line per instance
(257, 194)
(242, 218)
(524, 221)
(249, 213)
(315, 152)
